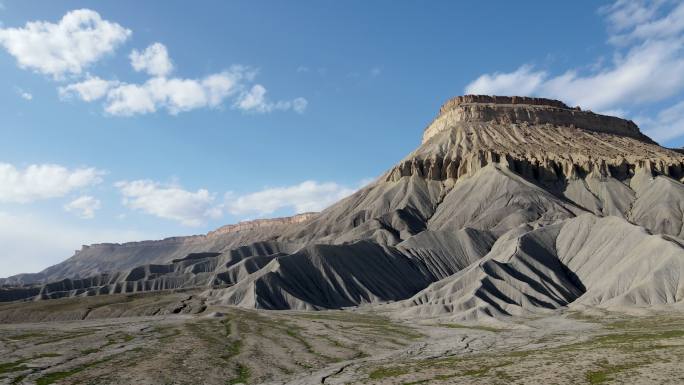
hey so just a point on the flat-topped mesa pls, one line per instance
(259, 223)
(488, 99)
(233, 228)
(526, 110)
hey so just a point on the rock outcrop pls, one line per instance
(510, 205)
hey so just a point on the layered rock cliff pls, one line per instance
(486, 217)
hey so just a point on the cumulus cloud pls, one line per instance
(175, 94)
(169, 202)
(154, 60)
(34, 242)
(82, 37)
(254, 100)
(84, 206)
(647, 65)
(43, 181)
(88, 90)
(303, 197)
(77, 41)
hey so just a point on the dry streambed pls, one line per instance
(232, 346)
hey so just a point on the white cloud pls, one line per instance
(254, 100)
(91, 89)
(639, 20)
(306, 196)
(299, 105)
(33, 243)
(82, 37)
(77, 41)
(128, 100)
(626, 14)
(667, 124)
(647, 65)
(522, 81)
(43, 181)
(650, 72)
(24, 94)
(169, 202)
(84, 206)
(174, 95)
(154, 60)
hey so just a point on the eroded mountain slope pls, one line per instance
(495, 177)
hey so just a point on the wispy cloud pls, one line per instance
(169, 201)
(306, 196)
(254, 100)
(84, 206)
(648, 65)
(24, 94)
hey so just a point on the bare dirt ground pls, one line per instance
(117, 340)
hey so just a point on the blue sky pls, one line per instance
(130, 120)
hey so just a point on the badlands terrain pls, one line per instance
(523, 241)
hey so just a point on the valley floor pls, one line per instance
(233, 346)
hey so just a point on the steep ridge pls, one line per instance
(479, 220)
(586, 260)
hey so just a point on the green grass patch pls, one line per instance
(608, 371)
(19, 379)
(242, 375)
(476, 327)
(386, 372)
(16, 366)
(294, 333)
(68, 336)
(167, 333)
(26, 336)
(46, 355)
(232, 350)
(56, 376)
(51, 378)
(368, 321)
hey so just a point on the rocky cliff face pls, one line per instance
(503, 209)
(523, 110)
(536, 137)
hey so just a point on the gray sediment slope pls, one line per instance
(508, 206)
